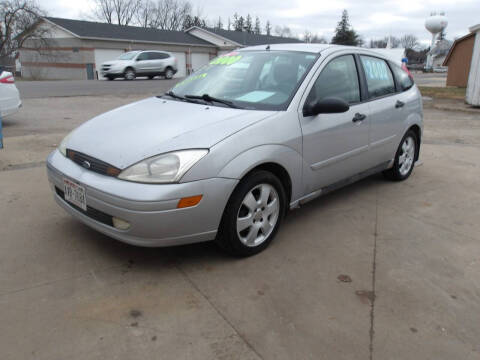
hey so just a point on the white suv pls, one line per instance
(149, 63)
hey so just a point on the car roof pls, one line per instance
(313, 48)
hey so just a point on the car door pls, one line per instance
(335, 146)
(162, 61)
(386, 109)
(141, 63)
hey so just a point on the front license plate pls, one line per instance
(75, 194)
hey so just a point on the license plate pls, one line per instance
(75, 194)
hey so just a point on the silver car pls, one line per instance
(229, 150)
(141, 63)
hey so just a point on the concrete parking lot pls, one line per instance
(376, 270)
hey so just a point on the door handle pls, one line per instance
(359, 117)
(399, 104)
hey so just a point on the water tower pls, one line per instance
(435, 23)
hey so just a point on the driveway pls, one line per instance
(376, 270)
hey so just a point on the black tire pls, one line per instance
(396, 173)
(150, 77)
(228, 237)
(129, 74)
(110, 78)
(169, 73)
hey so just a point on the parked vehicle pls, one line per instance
(218, 158)
(10, 101)
(149, 63)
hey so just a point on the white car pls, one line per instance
(10, 101)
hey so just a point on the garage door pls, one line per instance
(198, 60)
(181, 63)
(104, 55)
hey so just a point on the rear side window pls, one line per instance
(379, 77)
(338, 79)
(157, 55)
(404, 81)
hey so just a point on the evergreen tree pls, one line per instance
(248, 24)
(268, 28)
(258, 26)
(344, 34)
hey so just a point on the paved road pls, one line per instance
(42, 89)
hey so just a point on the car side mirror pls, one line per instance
(328, 105)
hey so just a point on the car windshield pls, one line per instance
(128, 56)
(260, 80)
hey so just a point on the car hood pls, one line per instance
(153, 126)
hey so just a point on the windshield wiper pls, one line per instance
(206, 97)
(175, 96)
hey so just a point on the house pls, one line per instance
(459, 59)
(76, 49)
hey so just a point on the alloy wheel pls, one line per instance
(407, 157)
(258, 215)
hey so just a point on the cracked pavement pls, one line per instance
(410, 253)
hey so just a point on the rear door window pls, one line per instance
(143, 56)
(379, 77)
(338, 79)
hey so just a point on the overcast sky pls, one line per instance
(373, 19)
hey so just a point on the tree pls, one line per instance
(268, 28)
(219, 23)
(238, 22)
(248, 24)
(173, 15)
(378, 44)
(120, 12)
(19, 21)
(316, 39)
(442, 35)
(229, 26)
(191, 20)
(409, 41)
(283, 31)
(145, 13)
(258, 26)
(344, 34)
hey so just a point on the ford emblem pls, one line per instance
(86, 164)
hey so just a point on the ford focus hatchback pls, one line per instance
(226, 152)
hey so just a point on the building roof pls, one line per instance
(249, 39)
(103, 31)
(455, 43)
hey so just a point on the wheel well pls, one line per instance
(418, 132)
(128, 67)
(282, 174)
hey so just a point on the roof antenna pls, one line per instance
(268, 47)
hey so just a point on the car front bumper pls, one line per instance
(150, 209)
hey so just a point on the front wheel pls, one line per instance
(129, 74)
(253, 214)
(404, 158)
(168, 73)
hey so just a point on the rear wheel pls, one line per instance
(253, 214)
(168, 73)
(110, 77)
(151, 77)
(404, 158)
(129, 74)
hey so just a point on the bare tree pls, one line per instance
(409, 41)
(19, 22)
(171, 14)
(145, 13)
(120, 12)
(283, 31)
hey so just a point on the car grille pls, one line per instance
(90, 163)
(106, 67)
(91, 212)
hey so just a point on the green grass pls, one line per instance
(455, 93)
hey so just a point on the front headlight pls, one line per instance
(63, 145)
(165, 168)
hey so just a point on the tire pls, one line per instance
(404, 158)
(129, 74)
(150, 77)
(249, 223)
(110, 78)
(169, 73)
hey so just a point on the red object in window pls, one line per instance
(404, 67)
(7, 79)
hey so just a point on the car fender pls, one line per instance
(278, 154)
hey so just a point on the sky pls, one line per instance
(372, 19)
